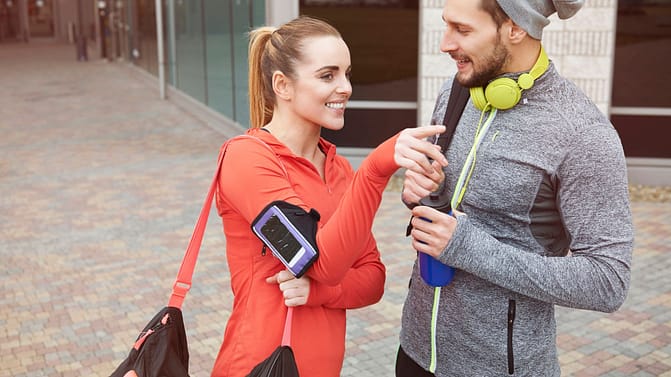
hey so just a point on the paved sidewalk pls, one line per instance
(100, 186)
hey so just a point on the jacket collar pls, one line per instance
(281, 149)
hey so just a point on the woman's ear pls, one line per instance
(282, 86)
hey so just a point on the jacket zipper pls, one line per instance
(511, 321)
(263, 250)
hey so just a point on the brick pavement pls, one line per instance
(100, 185)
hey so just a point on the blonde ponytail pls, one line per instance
(277, 49)
(259, 112)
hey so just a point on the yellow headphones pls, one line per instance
(504, 93)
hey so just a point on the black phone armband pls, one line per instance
(290, 233)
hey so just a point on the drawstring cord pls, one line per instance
(457, 196)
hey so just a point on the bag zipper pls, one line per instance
(143, 336)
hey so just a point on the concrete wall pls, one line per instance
(583, 49)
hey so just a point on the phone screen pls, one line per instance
(279, 236)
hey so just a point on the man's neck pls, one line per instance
(524, 55)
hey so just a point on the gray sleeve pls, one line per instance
(594, 204)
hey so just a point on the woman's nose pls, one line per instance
(345, 86)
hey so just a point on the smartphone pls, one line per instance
(285, 240)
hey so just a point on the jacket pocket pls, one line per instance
(511, 322)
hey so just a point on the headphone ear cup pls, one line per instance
(478, 97)
(503, 93)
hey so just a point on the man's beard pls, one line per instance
(493, 68)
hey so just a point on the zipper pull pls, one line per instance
(263, 250)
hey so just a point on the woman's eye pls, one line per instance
(327, 76)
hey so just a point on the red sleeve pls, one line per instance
(362, 285)
(342, 239)
(252, 176)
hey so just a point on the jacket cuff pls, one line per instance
(321, 294)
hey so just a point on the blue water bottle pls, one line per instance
(433, 272)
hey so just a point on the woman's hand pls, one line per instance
(295, 291)
(423, 160)
(413, 151)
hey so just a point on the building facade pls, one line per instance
(615, 51)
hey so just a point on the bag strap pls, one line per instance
(286, 335)
(183, 281)
(184, 275)
(459, 96)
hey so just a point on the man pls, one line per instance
(537, 179)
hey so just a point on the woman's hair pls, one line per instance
(277, 49)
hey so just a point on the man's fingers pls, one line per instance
(429, 183)
(425, 212)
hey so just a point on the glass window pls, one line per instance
(241, 26)
(383, 39)
(246, 15)
(121, 34)
(9, 21)
(366, 128)
(218, 42)
(40, 18)
(644, 136)
(206, 50)
(641, 78)
(190, 50)
(144, 51)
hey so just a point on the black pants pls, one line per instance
(407, 367)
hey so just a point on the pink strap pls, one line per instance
(183, 282)
(286, 336)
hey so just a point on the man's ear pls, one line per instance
(282, 86)
(516, 34)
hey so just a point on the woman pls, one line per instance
(298, 83)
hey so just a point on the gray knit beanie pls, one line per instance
(532, 15)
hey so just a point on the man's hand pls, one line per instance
(417, 186)
(432, 236)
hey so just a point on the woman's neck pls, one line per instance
(302, 140)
